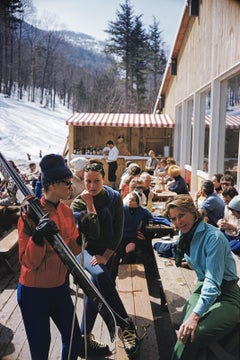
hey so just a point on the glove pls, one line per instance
(46, 228)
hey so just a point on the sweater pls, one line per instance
(211, 258)
(109, 207)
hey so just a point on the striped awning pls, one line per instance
(121, 120)
(232, 122)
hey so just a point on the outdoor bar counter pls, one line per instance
(122, 160)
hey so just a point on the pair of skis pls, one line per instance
(67, 257)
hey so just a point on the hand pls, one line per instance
(45, 228)
(98, 259)
(187, 329)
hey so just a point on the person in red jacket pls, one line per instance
(43, 291)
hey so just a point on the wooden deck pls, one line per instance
(13, 341)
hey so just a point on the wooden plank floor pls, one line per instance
(13, 341)
(133, 290)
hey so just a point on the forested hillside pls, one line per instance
(122, 75)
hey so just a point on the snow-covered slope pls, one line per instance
(27, 128)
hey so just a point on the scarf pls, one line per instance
(183, 246)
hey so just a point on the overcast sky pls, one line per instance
(92, 16)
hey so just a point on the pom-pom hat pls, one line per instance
(53, 169)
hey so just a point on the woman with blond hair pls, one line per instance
(214, 306)
(178, 184)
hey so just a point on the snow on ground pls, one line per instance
(27, 128)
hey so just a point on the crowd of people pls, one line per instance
(111, 223)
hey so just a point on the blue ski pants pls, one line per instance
(38, 305)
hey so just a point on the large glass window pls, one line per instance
(207, 120)
(232, 125)
(190, 121)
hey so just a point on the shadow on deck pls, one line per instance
(13, 341)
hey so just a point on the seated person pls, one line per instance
(132, 172)
(128, 163)
(137, 185)
(229, 222)
(213, 204)
(226, 181)
(9, 212)
(32, 175)
(161, 168)
(216, 179)
(147, 179)
(178, 184)
(234, 206)
(133, 243)
(212, 310)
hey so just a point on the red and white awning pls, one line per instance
(232, 122)
(121, 120)
(137, 120)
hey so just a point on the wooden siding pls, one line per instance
(210, 47)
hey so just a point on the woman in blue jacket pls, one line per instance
(177, 184)
(134, 237)
(213, 309)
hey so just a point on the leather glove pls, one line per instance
(46, 228)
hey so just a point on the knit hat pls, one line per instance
(235, 203)
(78, 163)
(53, 169)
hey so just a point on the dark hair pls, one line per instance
(230, 191)
(218, 177)
(128, 163)
(208, 187)
(228, 178)
(109, 142)
(134, 170)
(95, 165)
(135, 195)
(163, 161)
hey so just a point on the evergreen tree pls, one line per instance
(140, 50)
(141, 57)
(121, 42)
(157, 59)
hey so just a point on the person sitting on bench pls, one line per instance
(214, 307)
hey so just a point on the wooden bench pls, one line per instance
(7, 244)
(133, 290)
(177, 285)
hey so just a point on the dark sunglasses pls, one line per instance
(67, 183)
(226, 183)
(139, 187)
(93, 167)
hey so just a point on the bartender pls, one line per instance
(111, 152)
